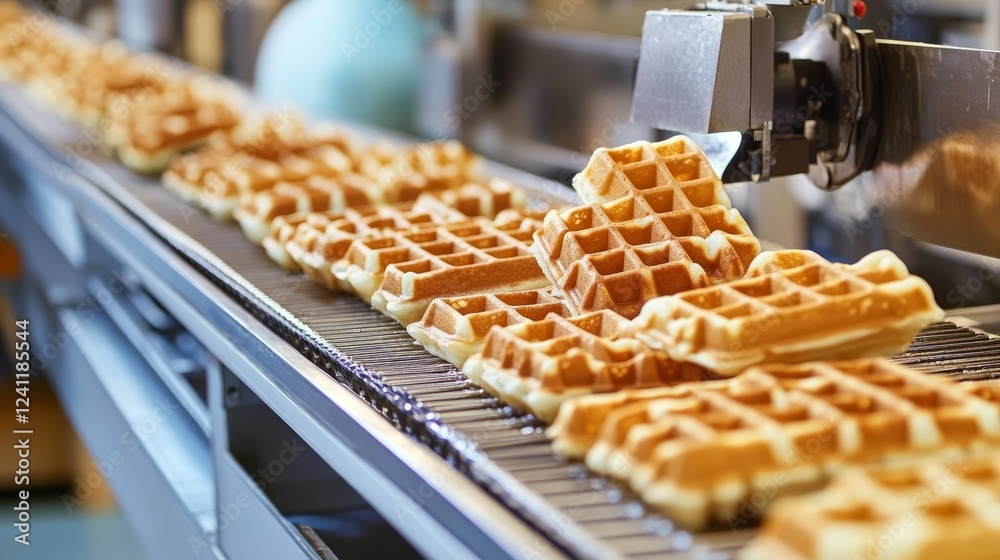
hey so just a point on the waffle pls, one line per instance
(424, 168)
(216, 180)
(623, 253)
(707, 450)
(147, 134)
(926, 511)
(478, 198)
(487, 199)
(455, 328)
(536, 366)
(224, 177)
(404, 271)
(677, 164)
(319, 240)
(281, 233)
(314, 194)
(793, 306)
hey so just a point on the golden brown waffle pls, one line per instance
(281, 233)
(707, 450)
(486, 199)
(538, 365)
(404, 271)
(793, 306)
(455, 328)
(319, 240)
(621, 254)
(224, 176)
(216, 181)
(157, 127)
(314, 194)
(425, 254)
(676, 165)
(924, 511)
(324, 237)
(424, 168)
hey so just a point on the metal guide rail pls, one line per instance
(501, 450)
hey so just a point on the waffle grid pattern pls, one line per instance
(923, 511)
(623, 253)
(455, 328)
(652, 170)
(538, 365)
(320, 239)
(697, 453)
(793, 306)
(410, 269)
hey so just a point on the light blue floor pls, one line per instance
(57, 534)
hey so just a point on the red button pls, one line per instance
(860, 9)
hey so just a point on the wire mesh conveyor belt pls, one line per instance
(505, 452)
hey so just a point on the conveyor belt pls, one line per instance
(500, 449)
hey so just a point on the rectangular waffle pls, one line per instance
(402, 272)
(793, 306)
(314, 194)
(677, 164)
(538, 365)
(455, 328)
(424, 168)
(321, 239)
(481, 198)
(925, 511)
(146, 135)
(707, 450)
(621, 254)
(487, 199)
(217, 180)
(225, 175)
(281, 233)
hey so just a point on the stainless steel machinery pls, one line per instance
(779, 91)
(833, 103)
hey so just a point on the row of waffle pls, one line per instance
(141, 108)
(861, 459)
(251, 166)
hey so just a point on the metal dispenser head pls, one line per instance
(797, 93)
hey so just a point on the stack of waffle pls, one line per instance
(666, 226)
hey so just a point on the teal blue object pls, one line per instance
(347, 59)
